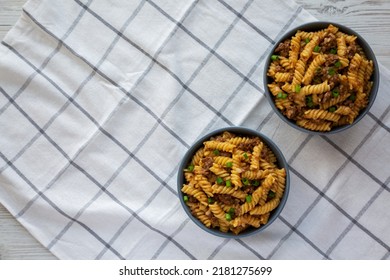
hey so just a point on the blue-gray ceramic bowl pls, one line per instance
(315, 26)
(241, 131)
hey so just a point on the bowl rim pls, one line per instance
(241, 130)
(311, 26)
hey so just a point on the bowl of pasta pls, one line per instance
(321, 77)
(233, 182)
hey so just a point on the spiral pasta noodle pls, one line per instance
(327, 70)
(229, 177)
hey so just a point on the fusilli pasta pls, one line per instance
(228, 178)
(327, 81)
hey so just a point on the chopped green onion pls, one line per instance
(210, 200)
(331, 71)
(332, 109)
(219, 180)
(228, 217)
(228, 183)
(337, 64)
(245, 181)
(232, 211)
(333, 51)
(307, 40)
(185, 198)
(274, 57)
(316, 49)
(256, 183)
(245, 155)
(335, 93)
(216, 152)
(229, 164)
(309, 102)
(297, 88)
(190, 167)
(271, 194)
(281, 95)
(248, 198)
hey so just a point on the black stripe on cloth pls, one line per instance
(69, 100)
(355, 222)
(386, 256)
(148, 169)
(383, 125)
(117, 234)
(49, 122)
(95, 69)
(218, 248)
(143, 207)
(47, 59)
(283, 30)
(357, 164)
(300, 148)
(161, 248)
(349, 159)
(315, 202)
(203, 44)
(56, 208)
(124, 148)
(358, 216)
(196, 72)
(307, 240)
(93, 180)
(81, 211)
(322, 193)
(249, 248)
(154, 59)
(110, 136)
(244, 19)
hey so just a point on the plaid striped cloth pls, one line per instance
(101, 99)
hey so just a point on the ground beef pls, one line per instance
(327, 96)
(343, 89)
(331, 59)
(207, 162)
(225, 154)
(263, 153)
(249, 145)
(248, 189)
(333, 81)
(226, 199)
(351, 50)
(328, 43)
(283, 48)
(213, 219)
(279, 68)
(291, 112)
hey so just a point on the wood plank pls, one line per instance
(16, 242)
(371, 19)
(10, 11)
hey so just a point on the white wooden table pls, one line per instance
(369, 18)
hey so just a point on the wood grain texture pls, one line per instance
(15, 241)
(371, 19)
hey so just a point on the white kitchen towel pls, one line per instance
(101, 99)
